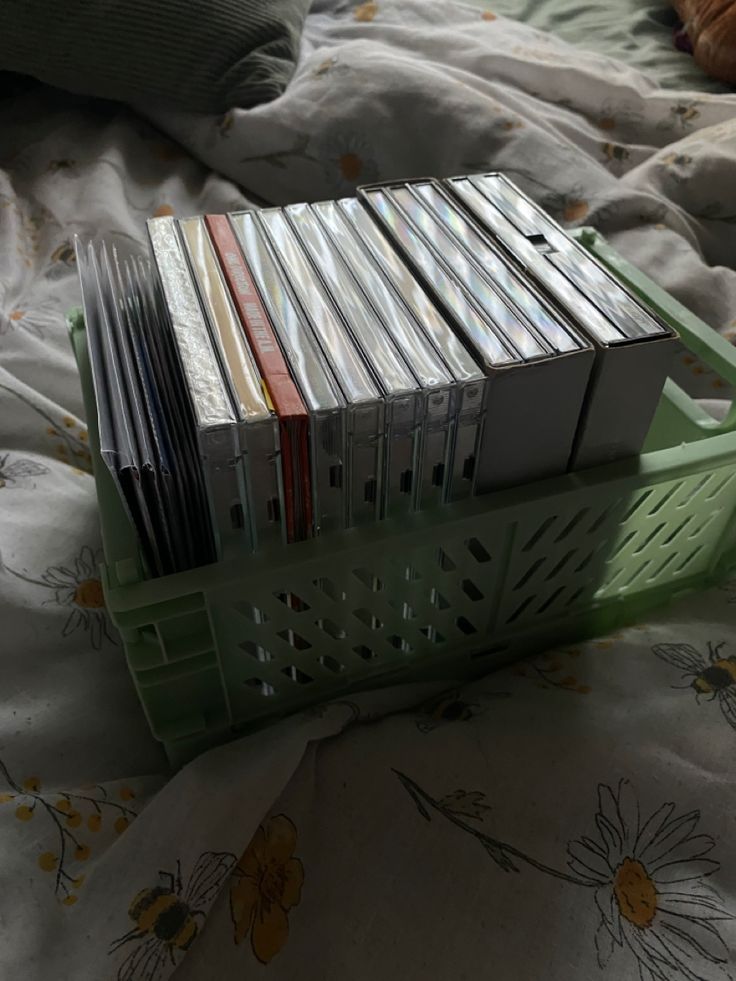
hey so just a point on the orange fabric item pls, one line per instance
(711, 27)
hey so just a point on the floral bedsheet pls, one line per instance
(569, 818)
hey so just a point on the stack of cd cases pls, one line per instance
(271, 375)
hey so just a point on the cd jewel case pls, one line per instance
(277, 374)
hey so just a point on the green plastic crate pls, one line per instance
(447, 594)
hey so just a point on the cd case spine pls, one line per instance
(283, 393)
(312, 375)
(215, 421)
(609, 427)
(517, 445)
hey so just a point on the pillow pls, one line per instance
(711, 28)
(199, 55)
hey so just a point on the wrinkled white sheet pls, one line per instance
(568, 819)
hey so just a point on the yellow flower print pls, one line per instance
(325, 66)
(225, 123)
(349, 162)
(617, 115)
(488, 15)
(575, 210)
(163, 211)
(71, 443)
(37, 320)
(267, 883)
(551, 671)
(649, 876)
(47, 861)
(80, 590)
(570, 205)
(31, 219)
(365, 12)
(645, 877)
(65, 812)
(351, 166)
(331, 66)
(72, 446)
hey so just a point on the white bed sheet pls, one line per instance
(568, 819)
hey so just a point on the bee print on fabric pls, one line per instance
(18, 472)
(167, 917)
(62, 260)
(711, 676)
(681, 116)
(615, 154)
(677, 166)
(452, 706)
(62, 166)
(64, 253)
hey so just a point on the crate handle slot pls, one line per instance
(697, 336)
